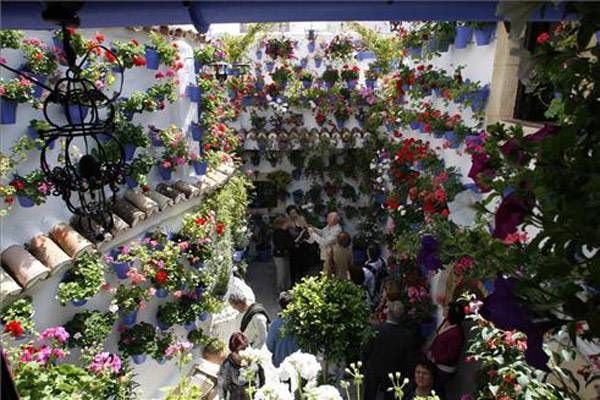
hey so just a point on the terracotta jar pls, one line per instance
(130, 214)
(24, 267)
(170, 192)
(160, 199)
(187, 188)
(138, 199)
(91, 231)
(71, 241)
(119, 225)
(49, 253)
(8, 287)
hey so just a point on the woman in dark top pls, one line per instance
(282, 243)
(447, 346)
(300, 260)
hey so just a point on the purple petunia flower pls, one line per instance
(481, 166)
(511, 213)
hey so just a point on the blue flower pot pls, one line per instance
(238, 256)
(129, 318)
(190, 326)
(483, 37)
(415, 227)
(58, 43)
(77, 113)
(351, 84)
(418, 165)
(121, 269)
(463, 36)
(415, 51)
(370, 83)
(415, 125)
(340, 123)
(310, 46)
(269, 65)
(165, 173)
(197, 132)
(306, 84)
(37, 90)
(472, 187)
(437, 92)
(296, 174)
(161, 325)
(364, 55)
(360, 256)
(203, 316)
(318, 62)
(200, 167)
(8, 111)
(129, 151)
(472, 140)
(443, 47)
(259, 86)
(247, 101)
(25, 201)
(389, 127)
(197, 66)
(379, 198)
(161, 293)
(78, 303)
(139, 358)
(258, 54)
(131, 183)
(194, 93)
(304, 63)
(438, 134)
(451, 137)
(152, 58)
(199, 291)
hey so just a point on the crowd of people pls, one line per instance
(396, 346)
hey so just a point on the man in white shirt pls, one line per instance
(327, 236)
(255, 319)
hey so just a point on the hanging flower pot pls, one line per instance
(340, 123)
(259, 86)
(351, 84)
(318, 62)
(25, 201)
(438, 134)
(415, 51)
(197, 66)
(472, 140)
(379, 198)
(8, 111)
(200, 167)
(78, 303)
(238, 256)
(121, 269)
(203, 316)
(129, 151)
(152, 58)
(162, 325)
(437, 92)
(370, 83)
(139, 358)
(131, 183)
(306, 84)
(76, 113)
(161, 293)
(269, 65)
(129, 318)
(247, 101)
(415, 125)
(165, 173)
(310, 46)
(190, 326)
(194, 93)
(463, 36)
(452, 138)
(258, 54)
(197, 132)
(483, 37)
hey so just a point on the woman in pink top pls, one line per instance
(447, 346)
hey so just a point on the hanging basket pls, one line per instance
(463, 36)
(8, 111)
(152, 59)
(483, 37)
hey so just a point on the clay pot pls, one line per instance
(91, 230)
(160, 199)
(8, 287)
(71, 241)
(146, 204)
(24, 267)
(170, 192)
(187, 188)
(119, 225)
(49, 253)
(130, 214)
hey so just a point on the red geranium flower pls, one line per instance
(14, 328)
(99, 37)
(139, 61)
(543, 38)
(220, 228)
(200, 221)
(18, 184)
(9, 199)
(109, 56)
(161, 276)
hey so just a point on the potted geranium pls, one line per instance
(306, 77)
(140, 167)
(83, 281)
(200, 166)
(280, 48)
(330, 76)
(164, 340)
(340, 47)
(168, 314)
(131, 136)
(17, 317)
(159, 50)
(31, 189)
(189, 308)
(120, 259)
(350, 75)
(13, 92)
(175, 151)
(342, 113)
(40, 62)
(281, 75)
(138, 341)
(35, 128)
(130, 54)
(11, 38)
(89, 328)
(129, 299)
(203, 55)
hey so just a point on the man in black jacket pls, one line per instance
(391, 350)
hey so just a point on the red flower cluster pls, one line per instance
(161, 276)
(18, 184)
(14, 328)
(139, 61)
(220, 228)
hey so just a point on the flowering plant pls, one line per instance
(167, 52)
(141, 167)
(205, 54)
(79, 43)
(340, 47)
(281, 75)
(342, 111)
(10, 38)
(32, 185)
(176, 151)
(130, 133)
(139, 339)
(105, 363)
(129, 298)
(330, 75)
(129, 53)
(350, 73)
(163, 267)
(17, 316)
(89, 328)
(83, 281)
(169, 313)
(280, 48)
(164, 340)
(38, 58)
(19, 90)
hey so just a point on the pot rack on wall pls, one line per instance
(91, 166)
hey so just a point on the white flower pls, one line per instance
(299, 363)
(113, 308)
(324, 392)
(273, 391)
(77, 335)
